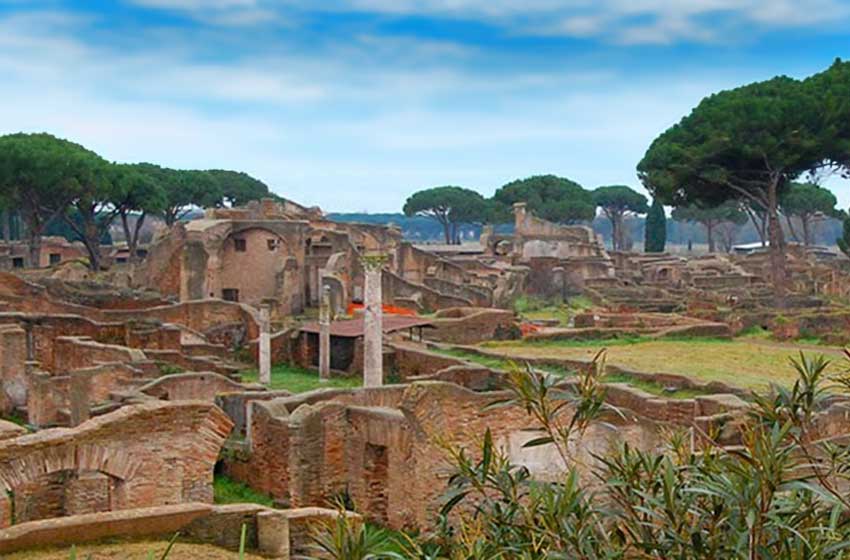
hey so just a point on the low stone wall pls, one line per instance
(193, 363)
(276, 533)
(410, 361)
(203, 386)
(49, 398)
(236, 404)
(472, 325)
(401, 292)
(591, 326)
(76, 352)
(471, 376)
(478, 295)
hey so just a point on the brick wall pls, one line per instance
(13, 355)
(154, 454)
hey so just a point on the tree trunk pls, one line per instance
(791, 229)
(807, 230)
(447, 232)
(125, 224)
(709, 232)
(34, 246)
(615, 232)
(5, 217)
(777, 245)
(89, 234)
(33, 227)
(169, 216)
(133, 238)
(92, 243)
(621, 233)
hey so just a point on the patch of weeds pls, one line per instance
(15, 417)
(166, 368)
(299, 380)
(757, 332)
(228, 491)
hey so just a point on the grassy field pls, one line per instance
(504, 364)
(138, 550)
(299, 380)
(745, 363)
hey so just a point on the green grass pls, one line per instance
(504, 364)
(652, 387)
(496, 363)
(744, 363)
(300, 380)
(15, 418)
(486, 361)
(228, 491)
(532, 308)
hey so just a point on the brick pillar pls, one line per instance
(13, 358)
(373, 334)
(325, 334)
(273, 534)
(265, 350)
(80, 398)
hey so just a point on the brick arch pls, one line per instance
(115, 462)
(158, 453)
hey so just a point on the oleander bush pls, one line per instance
(781, 493)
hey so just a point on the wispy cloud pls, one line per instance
(617, 21)
(354, 113)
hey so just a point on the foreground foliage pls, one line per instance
(780, 493)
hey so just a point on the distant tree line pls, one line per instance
(50, 185)
(552, 198)
(808, 213)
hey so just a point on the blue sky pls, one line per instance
(354, 104)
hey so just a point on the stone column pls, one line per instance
(273, 534)
(264, 352)
(373, 334)
(325, 334)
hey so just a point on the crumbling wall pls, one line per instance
(153, 454)
(202, 386)
(49, 398)
(13, 356)
(473, 325)
(76, 352)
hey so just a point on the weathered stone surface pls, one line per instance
(153, 454)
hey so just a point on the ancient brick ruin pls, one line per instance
(133, 396)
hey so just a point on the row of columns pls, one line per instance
(373, 334)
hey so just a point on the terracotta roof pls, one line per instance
(353, 328)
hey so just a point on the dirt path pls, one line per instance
(133, 551)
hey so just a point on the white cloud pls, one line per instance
(351, 126)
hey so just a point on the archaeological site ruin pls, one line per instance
(315, 363)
